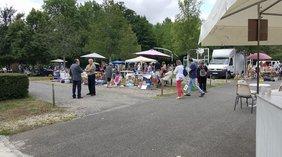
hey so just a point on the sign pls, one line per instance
(253, 30)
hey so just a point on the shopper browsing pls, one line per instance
(193, 78)
(75, 72)
(179, 78)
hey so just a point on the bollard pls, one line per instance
(226, 73)
(162, 87)
(53, 94)
(210, 80)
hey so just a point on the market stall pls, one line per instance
(99, 74)
(60, 74)
(252, 22)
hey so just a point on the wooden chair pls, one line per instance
(243, 91)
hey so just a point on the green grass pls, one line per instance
(15, 112)
(21, 108)
(39, 78)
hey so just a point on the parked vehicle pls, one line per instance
(275, 64)
(226, 62)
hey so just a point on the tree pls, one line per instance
(88, 13)
(111, 35)
(39, 44)
(186, 29)
(141, 27)
(64, 26)
(6, 16)
(19, 37)
(163, 34)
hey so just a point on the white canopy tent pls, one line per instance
(228, 22)
(94, 55)
(57, 61)
(140, 59)
(227, 25)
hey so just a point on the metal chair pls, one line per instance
(243, 91)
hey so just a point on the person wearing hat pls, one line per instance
(202, 72)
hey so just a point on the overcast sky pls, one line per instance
(154, 10)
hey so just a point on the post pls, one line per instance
(208, 55)
(226, 75)
(258, 45)
(162, 88)
(210, 80)
(64, 58)
(53, 94)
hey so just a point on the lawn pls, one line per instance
(39, 78)
(25, 114)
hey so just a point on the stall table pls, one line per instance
(268, 125)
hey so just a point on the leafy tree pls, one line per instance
(18, 36)
(63, 23)
(111, 35)
(141, 27)
(88, 13)
(163, 34)
(186, 29)
(6, 16)
(39, 42)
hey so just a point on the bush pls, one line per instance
(13, 86)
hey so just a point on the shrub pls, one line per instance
(13, 86)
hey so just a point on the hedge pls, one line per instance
(13, 86)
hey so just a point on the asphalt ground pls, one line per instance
(142, 126)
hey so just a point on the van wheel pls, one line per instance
(229, 75)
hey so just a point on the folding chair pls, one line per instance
(243, 91)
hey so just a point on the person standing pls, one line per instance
(202, 72)
(109, 74)
(193, 77)
(90, 70)
(178, 71)
(75, 72)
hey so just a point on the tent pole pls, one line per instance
(64, 58)
(258, 45)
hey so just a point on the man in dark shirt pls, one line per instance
(75, 72)
(202, 72)
(193, 77)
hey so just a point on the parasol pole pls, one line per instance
(258, 45)
(64, 58)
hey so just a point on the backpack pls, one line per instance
(185, 72)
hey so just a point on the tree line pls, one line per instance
(66, 29)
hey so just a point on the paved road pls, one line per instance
(164, 127)
(106, 99)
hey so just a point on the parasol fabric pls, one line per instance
(152, 53)
(57, 61)
(140, 59)
(93, 55)
(262, 56)
(118, 62)
(227, 25)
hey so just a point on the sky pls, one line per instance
(155, 10)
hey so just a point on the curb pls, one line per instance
(7, 149)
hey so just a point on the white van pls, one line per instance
(226, 62)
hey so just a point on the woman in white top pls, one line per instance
(179, 78)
